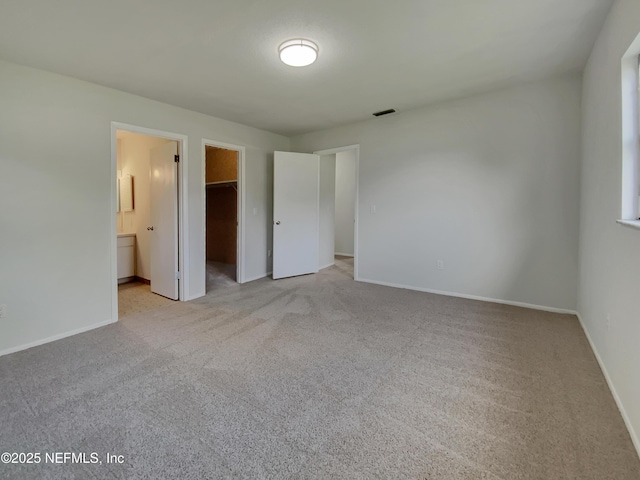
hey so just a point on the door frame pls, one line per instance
(183, 231)
(240, 235)
(346, 148)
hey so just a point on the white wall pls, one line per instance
(55, 206)
(488, 184)
(135, 160)
(345, 201)
(326, 226)
(610, 253)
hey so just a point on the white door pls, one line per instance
(164, 221)
(295, 214)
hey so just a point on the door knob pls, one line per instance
(149, 228)
(277, 222)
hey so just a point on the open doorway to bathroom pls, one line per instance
(223, 197)
(147, 226)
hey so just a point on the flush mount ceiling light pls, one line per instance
(298, 52)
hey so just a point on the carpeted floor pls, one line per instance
(319, 377)
(220, 275)
(137, 297)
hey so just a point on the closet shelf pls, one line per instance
(225, 183)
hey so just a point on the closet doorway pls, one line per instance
(223, 199)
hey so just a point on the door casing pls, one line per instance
(183, 232)
(346, 148)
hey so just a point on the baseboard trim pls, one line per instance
(472, 297)
(327, 266)
(632, 433)
(55, 337)
(135, 278)
(344, 254)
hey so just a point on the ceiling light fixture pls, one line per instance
(298, 52)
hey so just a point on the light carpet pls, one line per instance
(137, 297)
(220, 275)
(319, 377)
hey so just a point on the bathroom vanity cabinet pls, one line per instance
(126, 257)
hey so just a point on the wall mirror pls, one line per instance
(125, 187)
(117, 195)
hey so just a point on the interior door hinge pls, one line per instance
(177, 275)
(176, 158)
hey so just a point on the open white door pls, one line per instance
(295, 214)
(164, 221)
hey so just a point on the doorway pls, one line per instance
(338, 191)
(308, 188)
(223, 212)
(146, 173)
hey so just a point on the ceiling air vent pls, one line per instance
(384, 112)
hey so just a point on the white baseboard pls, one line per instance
(344, 254)
(616, 397)
(327, 266)
(56, 337)
(473, 297)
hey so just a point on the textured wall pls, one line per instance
(487, 184)
(55, 158)
(608, 300)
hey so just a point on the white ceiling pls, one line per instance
(220, 56)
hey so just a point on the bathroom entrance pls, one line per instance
(147, 174)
